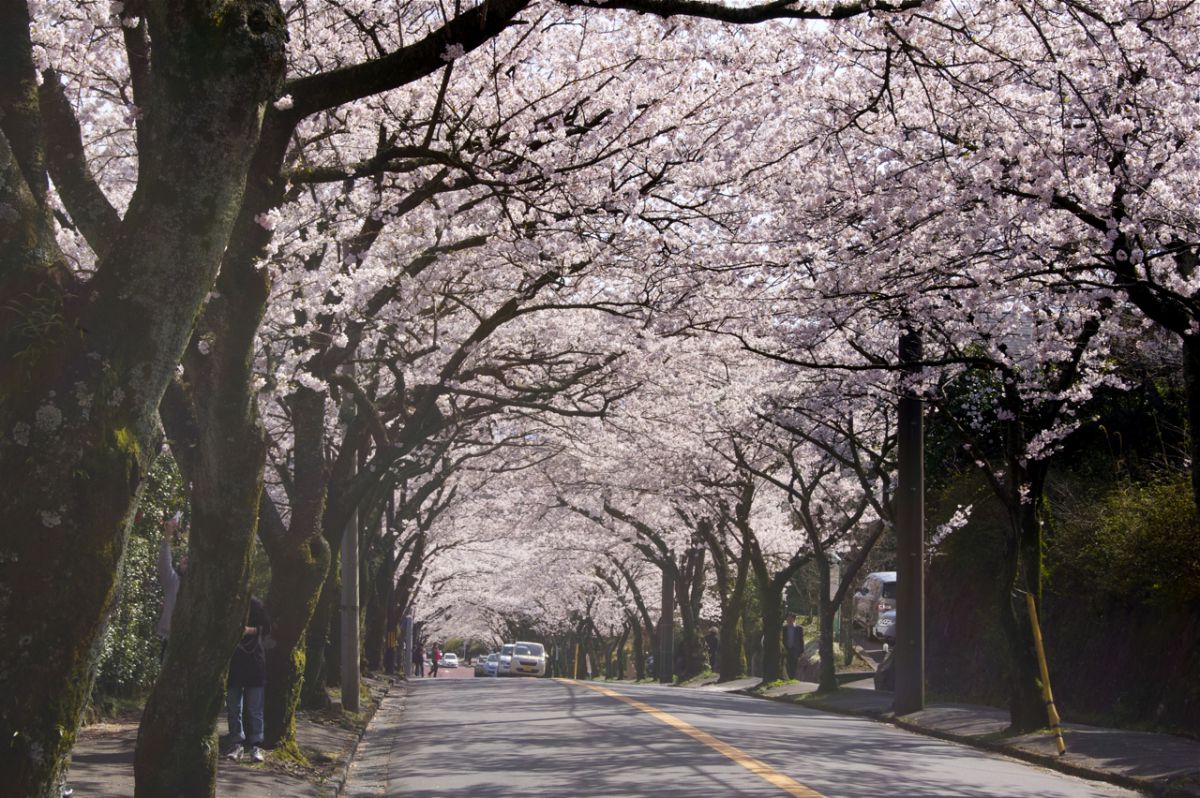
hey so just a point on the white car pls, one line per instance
(505, 660)
(528, 659)
(492, 665)
(449, 660)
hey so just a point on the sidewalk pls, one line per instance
(102, 760)
(1161, 764)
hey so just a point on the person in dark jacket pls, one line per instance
(793, 644)
(418, 658)
(713, 641)
(247, 683)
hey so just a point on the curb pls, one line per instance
(1156, 788)
(337, 782)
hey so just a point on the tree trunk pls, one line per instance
(731, 657)
(1021, 570)
(300, 561)
(689, 587)
(771, 597)
(315, 692)
(299, 574)
(375, 627)
(176, 748)
(88, 385)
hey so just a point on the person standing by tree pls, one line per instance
(418, 659)
(793, 644)
(247, 680)
(170, 576)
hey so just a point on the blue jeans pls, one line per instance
(253, 698)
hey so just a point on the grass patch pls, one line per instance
(776, 683)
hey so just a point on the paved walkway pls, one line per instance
(102, 760)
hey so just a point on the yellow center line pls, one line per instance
(755, 766)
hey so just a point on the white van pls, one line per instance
(877, 595)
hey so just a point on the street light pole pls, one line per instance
(910, 537)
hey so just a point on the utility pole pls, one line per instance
(910, 537)
(406, 643)
(666, 624)
(349, 598)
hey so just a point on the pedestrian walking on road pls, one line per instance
(793, 645)
(435, 658)
(247, 685)
(170, 576)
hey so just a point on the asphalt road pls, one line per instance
(485, 738)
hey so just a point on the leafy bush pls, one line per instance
(1141, 548)
(129, 655)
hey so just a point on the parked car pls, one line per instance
(449, 660)
(877, 595)
(528, 659)
(491, 665)
(506, 652)
(885, 627)
(481, 665)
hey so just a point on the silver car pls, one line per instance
(505, 662)
(885, 627)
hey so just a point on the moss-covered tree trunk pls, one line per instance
(212, 420)
(299, 564)
(82, 373)
(315, 694)
(375, 625)
(297, 573)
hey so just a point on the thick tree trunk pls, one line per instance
(375, 626)
(176, 743)
(731, 657)
(689, 587)
(213, 414)
(300, 561)
(315, 692)
(299, 574)
(771, 597)
(639, 648)
(88, 386)
(1022, 563)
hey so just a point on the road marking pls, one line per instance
(755, 766)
